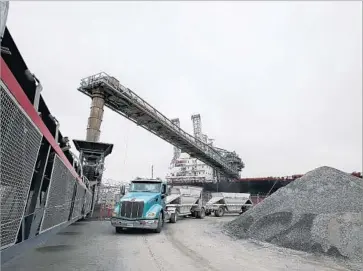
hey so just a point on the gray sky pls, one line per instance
(279, 83)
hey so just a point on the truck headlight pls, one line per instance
(115, 212)
(151, 214)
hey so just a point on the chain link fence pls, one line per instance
(60, 194)
(20, 141)
(20, 174)
(78, 202)
(19, 146)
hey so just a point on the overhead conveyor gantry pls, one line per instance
(107, 90)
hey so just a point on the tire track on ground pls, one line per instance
(152, 255)
(199, 261)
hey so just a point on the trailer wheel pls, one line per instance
(219, 212)
(201, 213)
(173, 218)
(118, 230)
(243, 210)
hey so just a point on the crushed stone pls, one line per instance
(321, 212)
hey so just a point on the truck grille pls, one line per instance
(132, 209)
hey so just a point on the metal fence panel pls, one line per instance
(19, 146)
(59, 197)
(78, 203)
(95, 197)
(88, 202)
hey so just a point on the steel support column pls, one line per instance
(95, 117)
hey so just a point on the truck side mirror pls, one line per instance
(122, 192)
(164, 190)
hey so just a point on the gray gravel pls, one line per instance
(320, 212)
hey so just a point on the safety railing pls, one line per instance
(19, 146)
(60, 196)
(20, 142)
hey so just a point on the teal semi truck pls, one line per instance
(142, 207)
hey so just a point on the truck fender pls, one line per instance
(157, 208)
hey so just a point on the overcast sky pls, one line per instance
(279, 83)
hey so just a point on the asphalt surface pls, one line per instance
(190, 244)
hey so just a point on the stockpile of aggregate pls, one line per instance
(320, 212)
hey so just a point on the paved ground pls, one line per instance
(187, 245)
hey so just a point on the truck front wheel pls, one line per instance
(160, 224)
(118, 230)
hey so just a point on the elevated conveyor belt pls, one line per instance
(128, 104)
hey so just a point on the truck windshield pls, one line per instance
(145, 187)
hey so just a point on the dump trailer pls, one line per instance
(221, 203)
(185, 201)
(143, 206)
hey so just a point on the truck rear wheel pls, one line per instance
(219, 212)
(173, 218)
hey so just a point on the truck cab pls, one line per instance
(142, 207)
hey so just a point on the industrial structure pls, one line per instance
(45, 186)
(108, 91)
(188, 170)
(111, 191)
(42, 188)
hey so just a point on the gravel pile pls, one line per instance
(320, 212)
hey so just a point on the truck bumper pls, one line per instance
(137, 224)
